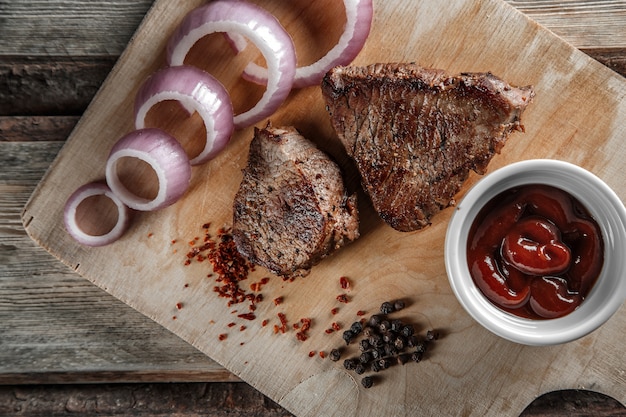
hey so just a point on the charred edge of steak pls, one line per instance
(292, 209)
(415, 133)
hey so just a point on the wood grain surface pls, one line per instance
(383, 264)
(48, 314)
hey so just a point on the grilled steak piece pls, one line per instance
(291, 209)
(415, 133)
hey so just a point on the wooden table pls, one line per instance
(66, 345)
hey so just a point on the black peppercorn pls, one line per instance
(376, 340)
(420, 347)
(356, 328)
(399, 343)
(407, 331)
(396, 325)
(364, 345)
(432, 335)
(390, 350)
(398, 305)
(375, 320)
(416, 356)
(368, 331)
(375, 366)
(365, 357)
(350, 364)
(384, 326)
(386, 308)
(360, 369)
(384, 363)
(335, 355)
(389, 337)
(348, 335)
(367, 381)
(377, 353)
(412, 341)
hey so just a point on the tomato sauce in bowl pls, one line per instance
(535, 251)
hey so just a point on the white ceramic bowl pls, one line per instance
(606, 296)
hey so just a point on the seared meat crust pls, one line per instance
(415, 133)
(291, 209)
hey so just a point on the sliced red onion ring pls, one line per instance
(166, 157)
(79, 196)
(195, 90)
(359, 14)
(261, 28)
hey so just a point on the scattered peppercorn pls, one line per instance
(350, 364)
(367, 381)
(386, 308)
(383, 342)
(356, 328)
(348, 335)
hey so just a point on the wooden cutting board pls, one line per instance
(578, 116)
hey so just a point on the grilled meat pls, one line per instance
(415, 133)
(291, 209)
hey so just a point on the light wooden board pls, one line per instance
(577, 116)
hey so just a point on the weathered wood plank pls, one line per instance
(56, 326)
(223, 399)
(68, 28)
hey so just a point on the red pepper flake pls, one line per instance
(179, 306)
(230, 268)
(283, 322)
(345, 284)
(336, 327)
(186, 285)
(242, 328)
(322, 354)
(232, 324)
(334, 311)
(150, 234)
(311, 354)
(265, 322)
(278, 300)
(302, 333)
(223, 336)
(276, 328)
(173, 317)
(173, 242)
(247, 316)
(343, 298)
(360, 313)
(329, 330)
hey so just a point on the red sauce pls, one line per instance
(535, 251)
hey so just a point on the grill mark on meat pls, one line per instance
(415, 133)
(291, 209)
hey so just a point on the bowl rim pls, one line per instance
(590, 190)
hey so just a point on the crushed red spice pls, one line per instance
(179, 306)
(265, 322)
(222, 336)
(283, 322)
(360, 313)
(334, 311)
(229, 266)
(311, 354)
(322, 354)
(302, 335)
(343, 298)
(247, 316)
(344, 283)
(336, 327)
(278, 300)
(232, 324)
